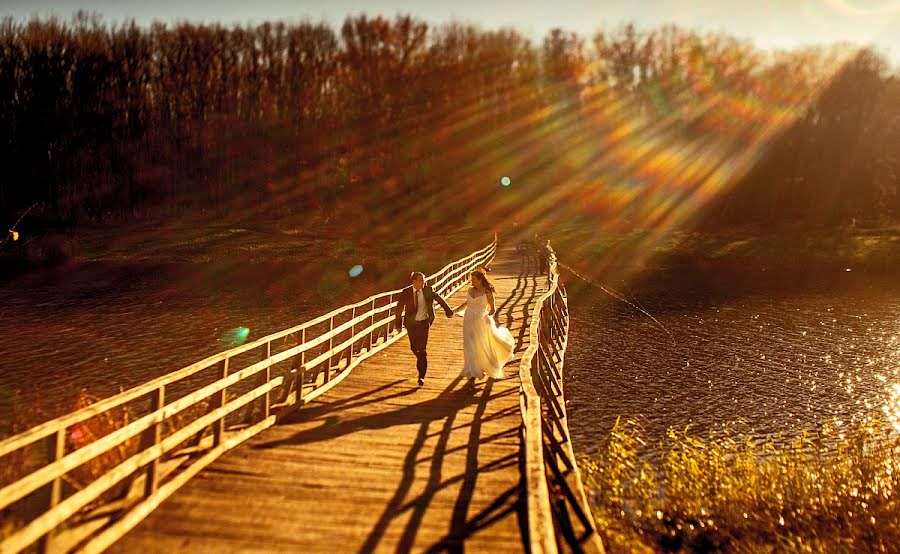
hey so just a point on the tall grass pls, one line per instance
(23, 461)
(833, 489)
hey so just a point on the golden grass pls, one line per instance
(829, 490)
(20, 463)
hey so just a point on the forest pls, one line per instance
(394, 121)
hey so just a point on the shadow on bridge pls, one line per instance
(440, 419)
(377, 463)
(443, 409)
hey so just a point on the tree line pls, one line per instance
(385, 119)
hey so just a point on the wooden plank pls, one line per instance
(377, 464)
(71, 505)
(112, 533)
(44, 475)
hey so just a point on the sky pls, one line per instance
(768, 23)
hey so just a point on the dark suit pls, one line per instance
(418, 330)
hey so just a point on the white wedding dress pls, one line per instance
(486, 347)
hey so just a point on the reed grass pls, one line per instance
(831, 489)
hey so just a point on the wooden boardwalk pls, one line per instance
(376, 464)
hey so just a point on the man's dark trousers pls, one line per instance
(418, 342)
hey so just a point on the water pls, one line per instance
(104, 328)
(780, 353)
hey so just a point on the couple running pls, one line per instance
(486, 347)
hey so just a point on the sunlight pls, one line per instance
(856, 8)
(660, 179)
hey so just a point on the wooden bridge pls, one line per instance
(244, 451)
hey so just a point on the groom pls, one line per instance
(417, 300)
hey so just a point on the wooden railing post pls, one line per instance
(267, 399)
(45, 488)
(219, 425)
(330, 346)
(56, 449)
(303, 341)
(387, 329)
(350, 349)
(371, 323)
(152, 436)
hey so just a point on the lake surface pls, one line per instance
(103, 326)
(106, 327)
(779, 352)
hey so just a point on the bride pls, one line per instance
(486, 347)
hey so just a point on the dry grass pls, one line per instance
(831, 490)
(90, 431)
(20, 463)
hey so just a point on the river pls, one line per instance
(775, 352)
(106, 325)
(780, 352)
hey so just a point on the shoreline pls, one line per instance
(872, 251)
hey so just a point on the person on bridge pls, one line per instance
(486, 347)
(544, 257)
(417, 302)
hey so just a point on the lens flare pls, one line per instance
(234, 337)
(356, 270)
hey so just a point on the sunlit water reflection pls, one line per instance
(779, 358)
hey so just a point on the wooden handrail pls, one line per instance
(546, 436)
(46, 429)
(366, 323)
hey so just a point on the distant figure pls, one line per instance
(486, 347)
(417, 303)
(544, 257)
(522, 247)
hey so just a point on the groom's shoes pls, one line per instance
(421, 381)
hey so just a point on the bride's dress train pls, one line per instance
(486, 347)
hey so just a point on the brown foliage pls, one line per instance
(103, 121)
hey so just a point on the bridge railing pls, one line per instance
(559, 518)
(89, 476)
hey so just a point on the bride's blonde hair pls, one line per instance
(488, 286)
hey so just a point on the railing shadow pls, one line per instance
(447, 403)
(437, 419)
(323, 407)
(520, 297)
